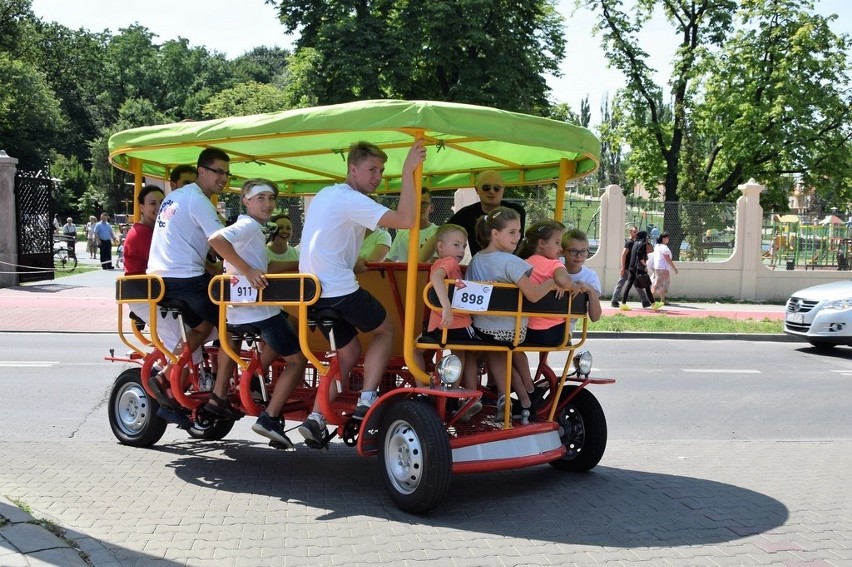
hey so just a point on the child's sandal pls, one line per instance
(221, 407)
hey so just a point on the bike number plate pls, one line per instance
(473, 296)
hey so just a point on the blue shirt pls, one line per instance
(103, 231)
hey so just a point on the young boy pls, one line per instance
(335, 223)
(450, 243)
(243, 248)
(575, 248)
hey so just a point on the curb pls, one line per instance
(23, 537)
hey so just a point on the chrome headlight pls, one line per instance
(449, 369)
(845, 303)
(583, 362)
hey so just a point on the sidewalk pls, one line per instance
(25, 542)
(85, 303)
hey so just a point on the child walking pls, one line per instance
(451, 242)
(498, 233)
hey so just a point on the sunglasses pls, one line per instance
(489, 188)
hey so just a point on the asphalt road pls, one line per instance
(56, 385)
(720, 453)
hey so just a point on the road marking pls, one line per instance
(28, 363)
(721, 370)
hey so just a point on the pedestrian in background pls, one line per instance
(106, 238)
(662, 267)
(625, 260)
(91, 237)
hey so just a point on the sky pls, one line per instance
(234, 28)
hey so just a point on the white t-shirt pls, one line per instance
(661, 250)
(335, 223)
(399, 248)
(589, 278)
(179, 246)
(651, 262)
(246, 236)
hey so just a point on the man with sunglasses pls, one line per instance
(489, 188)
(179, 246)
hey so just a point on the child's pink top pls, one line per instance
(543, 269)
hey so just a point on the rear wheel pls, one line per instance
(582, 428)
(132, 413)
(414, 456)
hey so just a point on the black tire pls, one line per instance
(132, 413)
(209, 429)
(582, 427)
(415, 459)
(62, 262)
(822, 346)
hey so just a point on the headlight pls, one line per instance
(839, 304)
(583, 362)
(449, 369)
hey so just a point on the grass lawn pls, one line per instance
(664, 323)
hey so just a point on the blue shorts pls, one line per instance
(358, 310)
(194, 292)
(278, 334)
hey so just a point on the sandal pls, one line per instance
(157, 384)
(221, 407)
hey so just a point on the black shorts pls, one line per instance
(194, 292)
(359, 311)
(546, 337)
(461, 335)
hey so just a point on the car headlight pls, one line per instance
(845, 303)
(583, 362)
(449, 369)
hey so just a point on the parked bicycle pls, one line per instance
(64, 256)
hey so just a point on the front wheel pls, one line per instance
(582, 429)
(132, 414)
(414, 456)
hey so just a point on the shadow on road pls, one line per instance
(606, 507)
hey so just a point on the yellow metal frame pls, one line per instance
(517, 315)
(301, 303)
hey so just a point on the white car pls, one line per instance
(822, 314)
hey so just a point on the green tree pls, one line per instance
(757, 92)
(31, 122)
(72, 63)
(244, 99)
(260, 65)
(777, 103)
(493, 53)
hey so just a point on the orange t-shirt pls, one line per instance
(460, 320)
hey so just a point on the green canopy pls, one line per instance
(304, 149)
